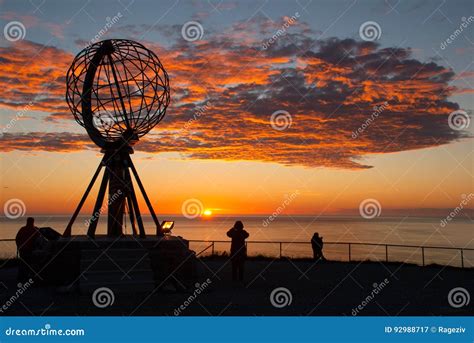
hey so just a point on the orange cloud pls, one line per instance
(33, 73)
(224, 92)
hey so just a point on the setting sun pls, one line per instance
(207, 213)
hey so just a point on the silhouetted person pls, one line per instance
(26, 239)
(238, 250)
(317, 245)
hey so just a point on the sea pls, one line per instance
(289, 236)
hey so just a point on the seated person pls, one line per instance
(49, 233)
(34, 248)
(26, 240)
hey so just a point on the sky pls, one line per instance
(310, 106)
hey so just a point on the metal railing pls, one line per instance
(212, 246)
(349, 248)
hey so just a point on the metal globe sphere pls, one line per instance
(118, 91)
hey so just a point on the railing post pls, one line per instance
(349, 252)
(280, 249)
(212, 253)
(423, 255)
(386, 252)
(462, 258)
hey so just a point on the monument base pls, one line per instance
(126, 262)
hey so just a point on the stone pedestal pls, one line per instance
(127, 263)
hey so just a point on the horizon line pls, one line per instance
(266, 215)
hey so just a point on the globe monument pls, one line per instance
(118, 90)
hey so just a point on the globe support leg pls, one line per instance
(134, 201)
(118, 180)
(131, 213)
(67, 232)
(116, 198)
(98, 205)
(145, 196)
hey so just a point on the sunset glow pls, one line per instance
(253, 120)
